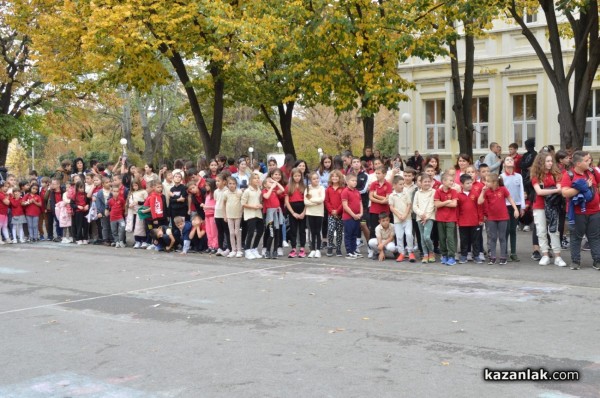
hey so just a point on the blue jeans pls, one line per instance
(32, 225)
(426, 241)
(351, 233)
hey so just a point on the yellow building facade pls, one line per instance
(513, 98)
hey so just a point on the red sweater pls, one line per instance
(80, 200)
(333, 200)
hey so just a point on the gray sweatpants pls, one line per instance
(118, 230)
(497, 230)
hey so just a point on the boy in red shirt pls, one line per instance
(445, 201)
(470, 220)
(379, 191)
(353, 209)
(116, 212)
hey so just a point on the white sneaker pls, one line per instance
(280, 252)
(369, 253)
(79, 242)
(545, 260)
(285, 244)
(144, 245)
(150, 247)
(526, 228)
(317, 253)
(359, 243)
(123, 245)
(256, 254)
(559, 262)
(239, 254)
(137, 245)
(469, 257)
(219, 253)
(226, 253)
(264, 250)
(311, 254)
(249, 254)
(64, 240)
(232, 254)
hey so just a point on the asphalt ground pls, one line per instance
(91, 321)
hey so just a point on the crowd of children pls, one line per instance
(227, 208)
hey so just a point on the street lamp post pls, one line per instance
(251, 150)
(279, 146)
(406, 118)
(123, 143)
(320, 152)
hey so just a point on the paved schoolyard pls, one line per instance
(100, 322)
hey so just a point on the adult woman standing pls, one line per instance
(149, 174)
(434, 160)
(461, 165)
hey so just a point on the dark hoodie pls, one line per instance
(526, 163)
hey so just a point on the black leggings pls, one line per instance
(314, 225)
(297, 226)
(254, 225)
(222, 233)
(80, 227)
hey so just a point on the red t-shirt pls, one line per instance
(57, 197)
(445, 214)
(16, 207)
(517, 158)
(117, 209)
(470, 214)
(31, 209)
(496, 205)
(548, 182)
(352, 196)
(333, 200)
(383, 190)
(591, 207)
(80, 200)
(296, 196)
(436, 184)
(3, 207)
(272, 202)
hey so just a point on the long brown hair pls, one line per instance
(538, 169)
(293, 185)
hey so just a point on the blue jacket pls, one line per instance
(585, 195)
(101, 201)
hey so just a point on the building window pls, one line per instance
(435, 124)
(592, 124)
(524, 117)
(480, 113)
(530, 18)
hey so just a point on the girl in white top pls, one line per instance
(252, 204)
(137, 197)
(313, 202)
(425, 211)
(222, 228)
(232, 200)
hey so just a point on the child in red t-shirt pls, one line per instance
(33, 210)
(18, 217)
(445, 201)
(353, 211)
(80, 206)
(273, 216)
(4, 204)
(333, 204)
(116, 212)
(493, 196)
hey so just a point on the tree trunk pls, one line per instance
(3, 151)
(368, 123)
(181, 70)
(463, 97)
(286, 113)
(126, 124)
(218, 110)
(146, 132)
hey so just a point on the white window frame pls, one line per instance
(594, 121)
(525, 123)
(438, 126)
(530, 18)
(478, 126)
